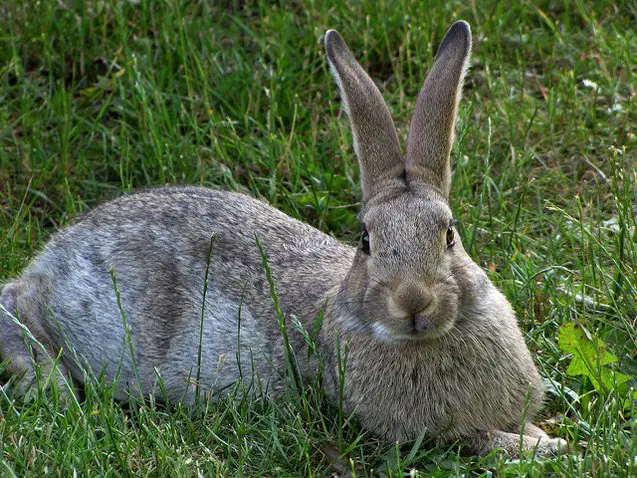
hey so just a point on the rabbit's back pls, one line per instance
(154, 248)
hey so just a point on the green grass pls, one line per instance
(98, 98)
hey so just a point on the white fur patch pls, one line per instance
(393, 308)
(382, 333)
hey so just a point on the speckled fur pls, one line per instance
(431, 344)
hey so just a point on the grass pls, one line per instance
(98, 98)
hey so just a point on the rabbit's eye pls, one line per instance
(451, 239)
(365, 241)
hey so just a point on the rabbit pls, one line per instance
(430, 345)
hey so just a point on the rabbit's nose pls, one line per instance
(412, 298)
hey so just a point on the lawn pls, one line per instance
(98, 98)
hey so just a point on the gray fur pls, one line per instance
(432, 126)
(375, 137)
(431, 344)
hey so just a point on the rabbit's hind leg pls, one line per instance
(19, 359)
(14, 352)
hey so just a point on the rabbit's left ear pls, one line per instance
(375, 138)
(432, 126)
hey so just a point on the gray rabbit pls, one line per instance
(430, 344)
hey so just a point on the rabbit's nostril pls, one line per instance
(422, 323)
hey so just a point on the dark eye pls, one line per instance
(365, 241)
(451, 238)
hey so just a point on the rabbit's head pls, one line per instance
(403, 284)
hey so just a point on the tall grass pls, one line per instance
(102, 97)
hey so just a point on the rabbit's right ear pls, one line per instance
(375, 138)
(432, 126)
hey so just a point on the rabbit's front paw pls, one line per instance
(554, 446)
(514, 444)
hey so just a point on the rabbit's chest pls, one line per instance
(401, 393)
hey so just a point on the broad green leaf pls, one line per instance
(590, 355)
(574, 339)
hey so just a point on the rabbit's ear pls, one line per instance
(432, 126)
(375, 138)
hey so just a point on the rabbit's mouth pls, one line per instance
(414, 328)
(423, 314)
